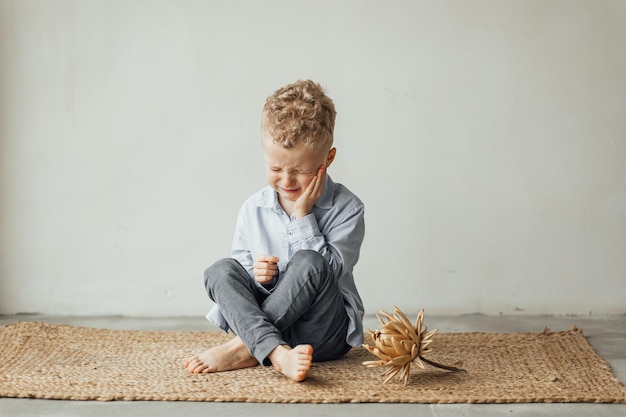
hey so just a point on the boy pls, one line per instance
(288, 292)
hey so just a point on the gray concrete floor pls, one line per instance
(607, 335)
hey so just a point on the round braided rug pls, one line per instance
(40, 360)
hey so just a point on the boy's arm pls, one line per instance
(240, 249)
(341, 243)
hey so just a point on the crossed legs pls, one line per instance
(305, 311)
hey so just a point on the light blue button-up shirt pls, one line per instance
(335, 229)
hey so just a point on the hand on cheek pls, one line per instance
(304, 204)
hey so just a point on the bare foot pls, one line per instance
(293, 363)
(226, 357)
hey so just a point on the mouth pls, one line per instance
(290, 190)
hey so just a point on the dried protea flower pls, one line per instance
(399, 343)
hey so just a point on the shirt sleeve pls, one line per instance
(240, 249)
(340, 243)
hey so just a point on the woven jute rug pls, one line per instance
(40, 360)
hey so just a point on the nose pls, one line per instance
(287, 180)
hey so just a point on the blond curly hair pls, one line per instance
(300, 112)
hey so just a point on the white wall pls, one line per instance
(486, 138)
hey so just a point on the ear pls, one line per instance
(331, 156)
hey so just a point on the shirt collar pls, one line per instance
(270, 197)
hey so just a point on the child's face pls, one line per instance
(290, 171)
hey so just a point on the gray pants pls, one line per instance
(306, 307)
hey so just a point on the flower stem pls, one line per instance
(438, 365)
